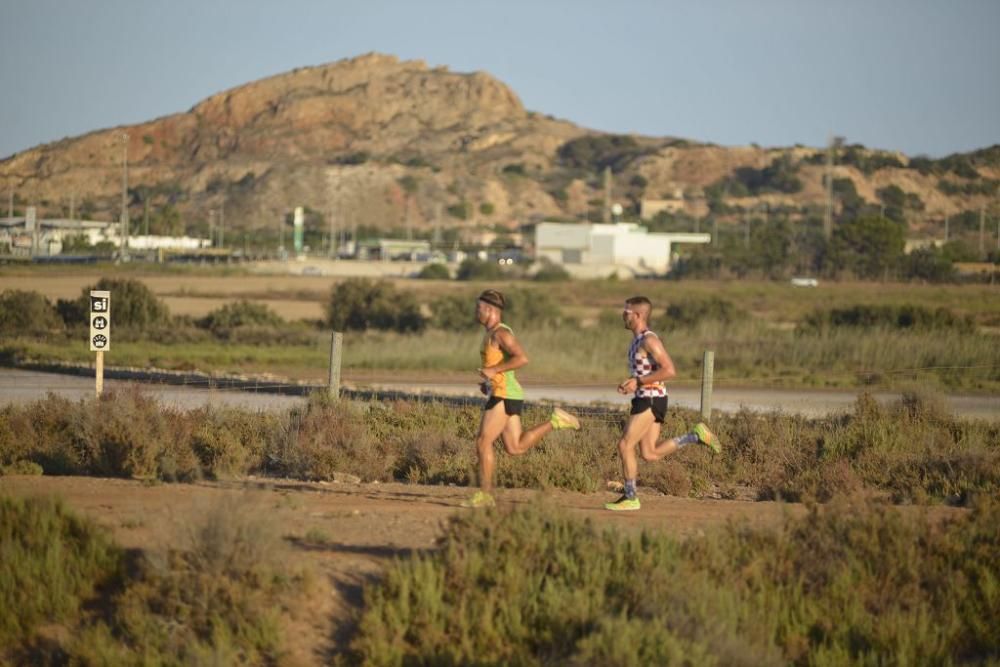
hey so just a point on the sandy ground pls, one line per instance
(365, 527)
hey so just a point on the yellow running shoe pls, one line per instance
(623, 504)
(480, 499)
(561, 419)
(707, 438)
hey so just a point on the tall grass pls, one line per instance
(847, 585)
(912, 451)
(746, 351)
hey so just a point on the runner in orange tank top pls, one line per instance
(501, 355)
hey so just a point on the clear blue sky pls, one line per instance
(920, 76)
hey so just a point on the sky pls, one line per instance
(917, 76)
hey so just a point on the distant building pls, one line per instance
(392, 249)
(623, 244)
(29, 238)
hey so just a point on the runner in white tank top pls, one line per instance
(649, 368)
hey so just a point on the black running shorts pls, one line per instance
(658, 404)
(511, 406)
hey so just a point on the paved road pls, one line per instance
(17, 386)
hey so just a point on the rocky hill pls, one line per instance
(386, 143)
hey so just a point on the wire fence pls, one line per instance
(201, 381)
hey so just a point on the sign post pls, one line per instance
(100, 332)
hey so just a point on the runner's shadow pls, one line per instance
(375, 550)
(351, 589)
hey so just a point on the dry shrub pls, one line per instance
(668, 476)
(324, 439)
(124, 433)
(765, 451)
(925, 406)
(230, 441)
(46, 432)
(432, 457)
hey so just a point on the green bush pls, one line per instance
(242, 313)
(27, 313)
(550, 273)
(133, 305)
(460, 211)
(595, 152)
(930, 264)
(905, 316)
(476, 269)
(453, 312)
(690, 312)
(50, 561)
(779, 176)
(213, 598)
(359, 304)
(533, 308)
(434, 271)
(852, 584)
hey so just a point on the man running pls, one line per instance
(649, 367)
(501, 355)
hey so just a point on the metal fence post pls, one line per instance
(707, 369)
(336, 354)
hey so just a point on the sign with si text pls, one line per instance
(100, 320)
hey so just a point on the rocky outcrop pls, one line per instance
(381, 142)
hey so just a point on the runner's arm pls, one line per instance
(666, 371)
(654, 348)
(517, 357)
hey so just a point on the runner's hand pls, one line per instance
(628, 386)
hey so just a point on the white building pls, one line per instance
(29, 237)
(624, 245)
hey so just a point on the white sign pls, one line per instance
(100, 320)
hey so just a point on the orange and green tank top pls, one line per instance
(503, 385)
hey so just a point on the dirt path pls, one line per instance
(345, 533)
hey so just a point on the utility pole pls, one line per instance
(331, 248)
(606, 214)
(281, 235)
(828, 213)
(10, 201)
(409, 222)
(982, 232)
(222, 225)
(72, 206)
(947, 227)
(746, 236)
(124, 217)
